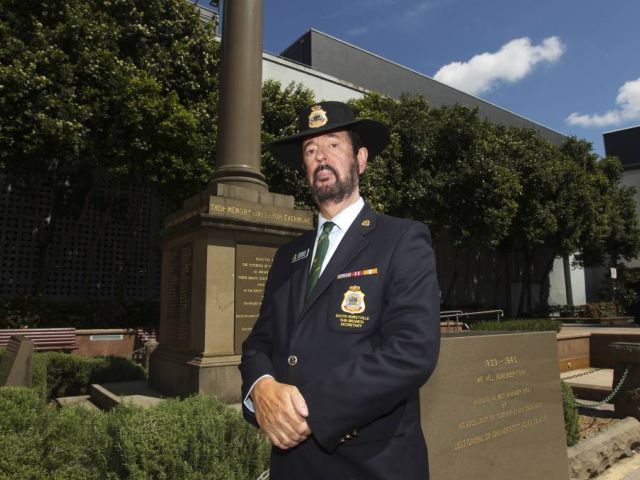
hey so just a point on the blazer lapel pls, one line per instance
(352, 243)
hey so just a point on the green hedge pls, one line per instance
(66, 374)
(193, 439)
(525, 325)
(571, 417)
(58, 374)
(34, 312)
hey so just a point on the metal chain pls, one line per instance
(609, 397)
(588, 372)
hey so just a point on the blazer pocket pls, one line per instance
(354, 306)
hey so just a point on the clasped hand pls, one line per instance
(281, 412)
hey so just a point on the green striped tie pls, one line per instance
(321, 252)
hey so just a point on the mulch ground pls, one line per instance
(591, 426)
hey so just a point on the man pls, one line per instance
(349, 326)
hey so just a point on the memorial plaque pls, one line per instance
(252, 267)
(179, 295)
(493, 408)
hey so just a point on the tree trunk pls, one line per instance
(507, 284)
(545, 283)
(454, 277)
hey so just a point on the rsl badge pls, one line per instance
(353, 301)
(317, 117)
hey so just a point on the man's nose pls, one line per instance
(321, 155)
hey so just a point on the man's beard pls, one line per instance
(340, 189)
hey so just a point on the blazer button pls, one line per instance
(293, 360)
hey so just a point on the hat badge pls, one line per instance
(317, 117)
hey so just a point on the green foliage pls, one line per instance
(589, 310)
(34, 312)
(601, 310)
(63, 374)
(194, 439)
(628, 290)
(280, 108)
(119, 88)
(521, 325)
(571, 417)
(101, 99)
(197, 438)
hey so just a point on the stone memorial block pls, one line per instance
(493, 408)
(626, 373)
(16, 369)
(217, 252)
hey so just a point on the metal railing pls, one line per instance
(458, 314)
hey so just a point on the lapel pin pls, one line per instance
(366, 223)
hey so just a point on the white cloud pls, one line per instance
(514, 61)
(358, 31)
(628, 101)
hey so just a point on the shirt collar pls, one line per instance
(345, 218)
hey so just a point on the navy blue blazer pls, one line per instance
(359, 349)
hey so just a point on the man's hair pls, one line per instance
(356, 141)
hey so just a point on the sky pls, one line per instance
(570, 65)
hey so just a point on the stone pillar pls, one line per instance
(238, 141)
(217, 250)
(627, 401)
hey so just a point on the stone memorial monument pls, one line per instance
(493, 408)
(16, 369)
(218, 248)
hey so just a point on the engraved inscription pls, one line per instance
(491, 398)
(255, 214)
(497, 405)
(252, 268)
(179, 295)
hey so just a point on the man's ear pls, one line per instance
(362, 156)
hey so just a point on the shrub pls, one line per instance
(531, 325)
(23, 414)
(41, 442)
(571, 417)
(601, 310)
(193, 439)
(62, 374)
(196, 438)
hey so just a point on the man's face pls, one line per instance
(331, 167)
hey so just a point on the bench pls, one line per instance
(44, 339)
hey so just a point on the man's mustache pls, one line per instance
(323, 167)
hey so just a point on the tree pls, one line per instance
(611, 231)
(280, 107)
(100, 98)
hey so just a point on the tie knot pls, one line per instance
(327, 227)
